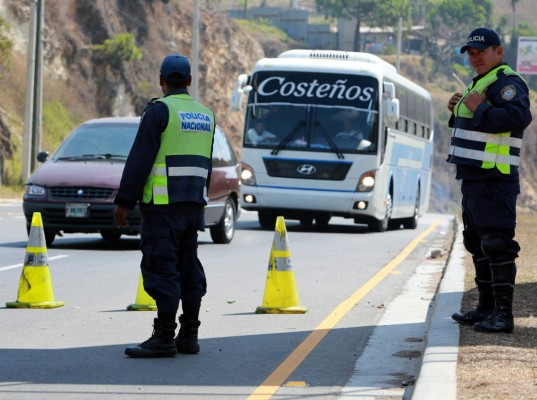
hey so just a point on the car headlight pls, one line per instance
(34, 190)
(247, 175)
(366, 183)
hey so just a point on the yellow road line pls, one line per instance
(286, 368)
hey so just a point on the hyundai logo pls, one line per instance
(306, 169)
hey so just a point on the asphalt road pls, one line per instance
(367, 295)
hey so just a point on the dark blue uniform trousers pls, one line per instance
(489, 217)
(170, 266)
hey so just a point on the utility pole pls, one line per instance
(38, 98)
(195, 51)
(34, 90)
(245, 11)
(399, 40)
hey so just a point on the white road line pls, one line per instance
(20, 265)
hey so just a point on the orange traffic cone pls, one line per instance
(143, 301)
(281, 296)
(35, 286)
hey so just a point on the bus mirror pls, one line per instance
(389, 90)
(240, 88)
(392, 110)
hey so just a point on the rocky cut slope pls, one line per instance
(89, 87)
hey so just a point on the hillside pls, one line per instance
(78, 85)
(90, 88)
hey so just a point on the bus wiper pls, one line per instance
(288, 138)
(330, 141)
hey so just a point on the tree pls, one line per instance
(448, 23)
(513, 6)
(359, 10)
(377, 13)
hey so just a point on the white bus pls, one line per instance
(333, 133)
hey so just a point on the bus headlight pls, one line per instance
(366, 183)
(247, 175)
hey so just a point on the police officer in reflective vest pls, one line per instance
(488, 123)
(168, 171)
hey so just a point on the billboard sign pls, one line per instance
(527, 55)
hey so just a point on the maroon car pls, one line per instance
(74, 190)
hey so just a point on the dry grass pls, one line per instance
(504, 366)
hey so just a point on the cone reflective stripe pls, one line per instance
(35, 286)
(280, 295)
(143, 301)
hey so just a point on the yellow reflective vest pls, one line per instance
(181, 169)
(482, 149)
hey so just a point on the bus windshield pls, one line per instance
(312, 112)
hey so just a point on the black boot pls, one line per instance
(160, 344)
(485, 305)
(501, 320)
(187, 338)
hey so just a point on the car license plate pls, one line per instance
(77, 210)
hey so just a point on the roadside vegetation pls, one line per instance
(503, 366)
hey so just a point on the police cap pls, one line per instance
(175, 69)
(481, 38)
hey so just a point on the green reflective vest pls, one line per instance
(482, 149)
(181, 169)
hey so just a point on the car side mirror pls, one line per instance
(42, 156)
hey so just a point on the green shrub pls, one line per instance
(119, 49)
(263, 27)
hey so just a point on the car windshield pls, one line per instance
(99, 141)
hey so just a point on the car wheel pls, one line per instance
(49, 237)
(224, 231)
(111, 236)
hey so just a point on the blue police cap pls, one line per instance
(175, 69)
(481, 38)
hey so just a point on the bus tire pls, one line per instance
(381, 225)
(308, 221)
(267, 219)
(322, 221)
(412, 222)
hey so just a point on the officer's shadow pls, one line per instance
(525, 312)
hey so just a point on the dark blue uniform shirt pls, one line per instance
(499, 116)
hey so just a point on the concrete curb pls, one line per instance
(438, 374)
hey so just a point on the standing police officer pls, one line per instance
(488, 122)
(168, 171)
